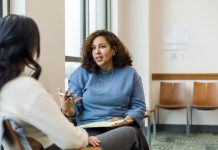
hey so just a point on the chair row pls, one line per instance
(173, 96)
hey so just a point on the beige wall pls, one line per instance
(200, 16)
(199, 55)
(132, 28)
(49, 15)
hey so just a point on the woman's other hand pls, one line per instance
(114, 119)
(94, 141)
(129, 120)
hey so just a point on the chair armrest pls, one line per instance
(90, 148)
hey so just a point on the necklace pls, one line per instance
(102, 76)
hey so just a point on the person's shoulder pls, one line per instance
(80, 72)
(24, 85)
(129, 69)
(27, 82)
(81, 69)
(24, 80)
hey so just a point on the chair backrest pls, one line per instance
(166, 89)
(172, 93)
(199, 93)
(178, 95)
(11, 137)
(13, 140)
(205, 94)
(212, 93)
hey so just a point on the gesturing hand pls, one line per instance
(67, 102)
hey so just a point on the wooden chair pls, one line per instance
(12, 138)
(205, 96)
(173, 97)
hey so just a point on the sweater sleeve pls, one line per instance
(76, 84)
(137, 106)
(47, 117)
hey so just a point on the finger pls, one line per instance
(114, 119)
(60, 93)
(69, 100)
(77, 100)
(95, 143)
(92, 143)
(98, 142)
(59, 90)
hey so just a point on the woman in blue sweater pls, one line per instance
(111, 89)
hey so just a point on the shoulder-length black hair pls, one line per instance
(19, 44)
(120, 59)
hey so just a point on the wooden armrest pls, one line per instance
(147, 114)
(151, 109)
(90, 148)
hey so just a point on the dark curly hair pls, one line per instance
(19, 43)
(120, 59)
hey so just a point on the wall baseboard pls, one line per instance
(182, 128)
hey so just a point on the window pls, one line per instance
(82, 18)
(4, 7)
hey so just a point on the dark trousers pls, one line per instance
(122, 138)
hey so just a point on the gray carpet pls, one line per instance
(179, 141)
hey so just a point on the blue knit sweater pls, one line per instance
(107, 94)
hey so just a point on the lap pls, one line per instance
(125, 138)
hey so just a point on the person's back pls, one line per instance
(23, 98)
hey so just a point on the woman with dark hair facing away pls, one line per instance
(23, 98)
(111, 89)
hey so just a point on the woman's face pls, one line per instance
(102, 53)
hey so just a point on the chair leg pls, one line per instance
(149, 131)
(158, 115)
(191, 118)
(154, 125)
(191, 115)
(143, 126)
(187, 117)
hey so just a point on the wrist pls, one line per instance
(68, 112)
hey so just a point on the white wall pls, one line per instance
(132, 29)
(17, 7)
(199, 55)
(49, 15)
(201, 18)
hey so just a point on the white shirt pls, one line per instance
(27, 102)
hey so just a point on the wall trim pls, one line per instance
(184, 76)
(182, 128)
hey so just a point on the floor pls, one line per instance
(179, 141)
